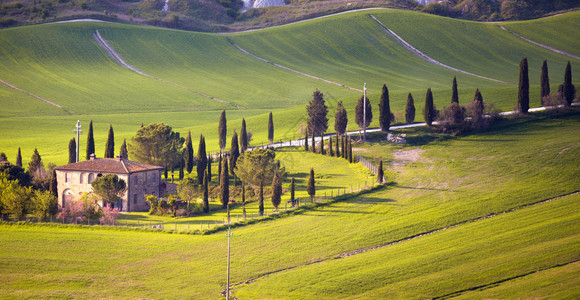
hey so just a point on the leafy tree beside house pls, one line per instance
(110, 188)
(156, 144)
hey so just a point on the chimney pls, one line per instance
(93, 157)
(119, 157)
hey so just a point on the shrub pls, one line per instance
(110, 215)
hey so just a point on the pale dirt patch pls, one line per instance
(402, 157)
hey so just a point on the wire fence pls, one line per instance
(369, 165)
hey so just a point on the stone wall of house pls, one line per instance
(141, 184)
(72, 184)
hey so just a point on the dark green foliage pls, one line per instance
(243, 137)
(110, 145)
(544, 82)
(276, 190)
(3, 157)
(19, 158)
(206, 193)
(359, 111)
(330, 146)
(189, 153)
(429, 109)
(317, 111)
(337, 154)
(340, 119)
(321, 148)
(165, 172)
(244, 200)
(222, 130)
(209, 160)
(123, 150)
(478, 99)
(234, 154)
(14, 172)
(455, 94)
(270, 129)
(261, 200)
(292, 189)
(72, 151)
(454, 115)
(385, 110)
(201, 159)
(53, 187)
(224, 185)
(181, 167)
(313, 144)
(524, 88)
(343, 144)
(569, 89)
(350, 160)
(311, 184)
(109, 187)
(380, 172)
(219, 173)
(157, 144)
(306, 142)
(90, 141)
(35, 162)
(410, 109)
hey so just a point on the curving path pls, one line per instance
(541, 45)
(29, 93)
(427, 58)
(118, 58)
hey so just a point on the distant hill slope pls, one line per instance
(229, 15)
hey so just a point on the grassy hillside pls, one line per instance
(450, 182)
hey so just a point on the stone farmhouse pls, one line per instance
(141, 179)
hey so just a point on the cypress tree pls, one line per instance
(219, 173)
(90, 141)
(53, 188)
(410, 109)
(205, 193)
(222, 130)
(181, 167)
(455, 94)
(201, 159)
(317, 111)
(385, 110)
(359, 112)
(224, 185)
(189, 152)
(19, 158)
(429, 110)
(321, 144)
(340, 119)
(270, 129)
(234, 154)
(72, 151)
(110, 145)
(208, 169)
(311, 185)
(544, 82)
(244, 200)
(313, 144)
(35, 162)
(261, 199)
(569, 89)
(478, 99)
(276, 190)
(337, 153)
(165, 172)
(343, 144)
(243, 137)
(306, 142)
(524, 88)
(350, 160)
(123, 151)
(380, 173)
(3, 157)
(292, 189)
(330, 146)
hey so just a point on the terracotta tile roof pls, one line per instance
(109, 165)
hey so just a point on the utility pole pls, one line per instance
(365, 113)
(229, 235)
(78, 131)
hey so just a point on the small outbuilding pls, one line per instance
(141, 179)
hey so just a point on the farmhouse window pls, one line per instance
(67, 177)
(136, 179)
(135, 199)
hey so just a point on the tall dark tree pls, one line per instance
(201, 159)
(306, 142)
(385, 110)
(110, 145)
(181, 168)
(313, 144)
(292, 189)
(337, 152)
(3, 157)
(410, 109)
(317, 111)
(219, 172)
(343, 144)
(189, 153)
(330, 146)
(90, 141)
(340, 119)
(19, 158)
(205, 193)
(123, 150)
(276, 190)
(270, 129)
(380, 172)
(524, 88)
(72, 151)
(544, 82)
(53, 188)
(350, 160)
(222, 130)
(359, 113)
(321, 149)
(261, 200)
(243, 137)
(35, 162)
(429, 109)
(234, 154)
(478, 100)
(569, 89)
(455, 94)
(311, 188)
(209, 160)
(244, 200)
(224, 185)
